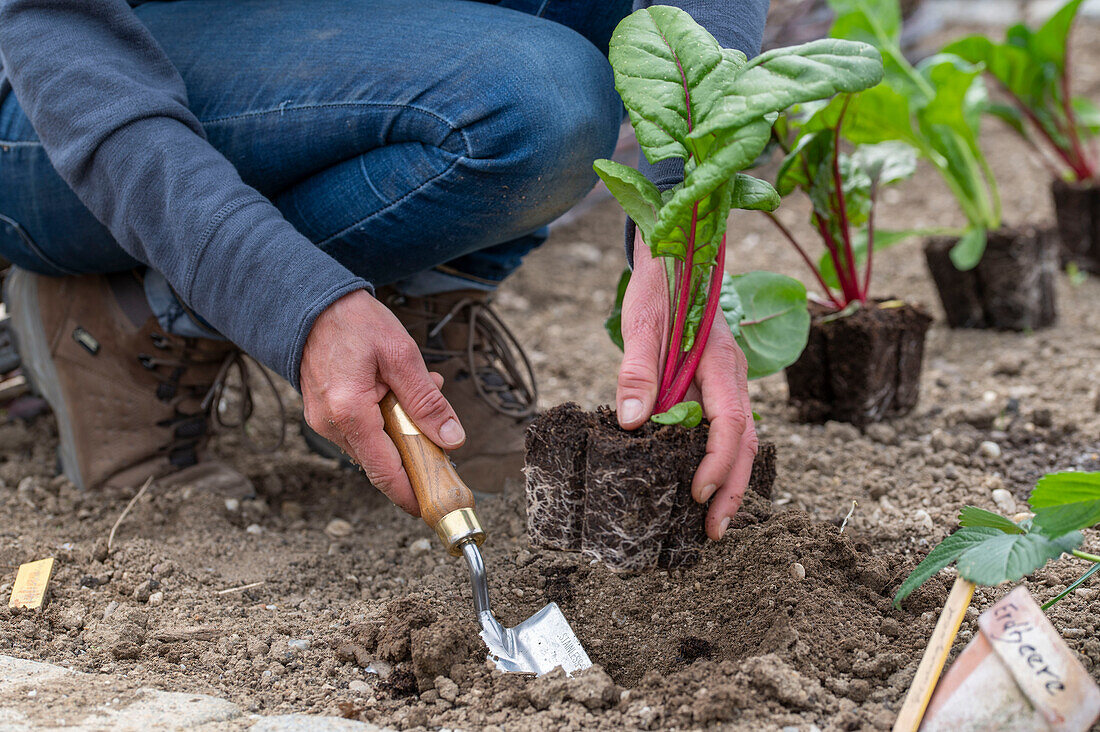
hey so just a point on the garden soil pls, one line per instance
(292, 586)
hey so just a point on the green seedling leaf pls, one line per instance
(1008, 557)
(635, 193)
(966, 254)
(776, 322)
(685, 414)
(944, 554)
(974, 516)
(1087, 113)
(753, 194)
(1065, 502)
(730, 303)
(614, 323)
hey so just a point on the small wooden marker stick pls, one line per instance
(31, 584)
(935, 656)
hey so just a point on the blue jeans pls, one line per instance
(364, 123)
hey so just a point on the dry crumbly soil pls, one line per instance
(377, 624)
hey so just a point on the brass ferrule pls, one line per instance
(458, 527)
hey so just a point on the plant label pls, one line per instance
(31, 584)
(1017, 674)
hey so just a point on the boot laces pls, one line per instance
(501, 372)
(198, 405)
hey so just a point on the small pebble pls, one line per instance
(989, 449)
(164, 569)
(298, 645)
(338, 528)
(110, 609)
(882, 433)
(358, 687)
(517, 592)
(924, 519)
(798, 572)
(420, 547)
(989, 397)
(1042, 418)
(254, 529)
(232, 505)
(1004, 501)
(157, 598)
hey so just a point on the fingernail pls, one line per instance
(630, 411)
(451, 432)
(707, 492)
(723, 526)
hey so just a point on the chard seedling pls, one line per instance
(1033, 69)
(711, 107)
(935, 107)
(989, 549)
(843, 190)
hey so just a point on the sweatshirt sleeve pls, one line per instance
(111, 112)
(734, 24)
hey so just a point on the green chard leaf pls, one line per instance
(685, 414)
(775, 324)
(635, 193)
(1065, 502)
(966, 254)
(614, 323)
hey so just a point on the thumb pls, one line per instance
(404, 372)
(644, 319)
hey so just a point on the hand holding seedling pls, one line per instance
(720, 384)
(357, 351)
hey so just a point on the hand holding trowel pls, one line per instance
(539, 644)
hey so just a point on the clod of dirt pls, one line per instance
(1011, 288)
(592, 687)
(859, 368)
(621, 497)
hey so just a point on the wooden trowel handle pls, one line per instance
(446, 504)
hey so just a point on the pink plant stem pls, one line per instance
(687, 370)
(847, 287)
(1061, 152)
(842, 209)
(805, 258)
(1084, 169)
(870, 245)
(683, 304)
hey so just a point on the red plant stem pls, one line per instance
(1038, 125)
(805, 258)
(870, 244)
(683, 304)
(686, 372)
(1071, 121)
(842, 208)
(848, 288)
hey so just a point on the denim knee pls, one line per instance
(559, 112)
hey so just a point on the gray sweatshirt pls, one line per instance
(111, 112)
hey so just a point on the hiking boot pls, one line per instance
(131, 401)
(487, 378)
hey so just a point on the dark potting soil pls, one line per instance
(1011, 288)
(859, 368)
(696, 646)
(1077, 209)
(621, 497)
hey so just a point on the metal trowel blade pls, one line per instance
(538, 645)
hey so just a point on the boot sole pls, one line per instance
(21, 298)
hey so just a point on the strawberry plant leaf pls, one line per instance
(776, 323)
(1008, 557)
(685, 414)
(1065, 502)
(974, 516)
(946, 552)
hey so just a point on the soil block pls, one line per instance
(621, 497)
(1077, 210)
(862, 367)
(1012, 288)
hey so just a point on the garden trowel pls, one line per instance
(539, 644)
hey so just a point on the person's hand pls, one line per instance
(357, 351)
(721, 386)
